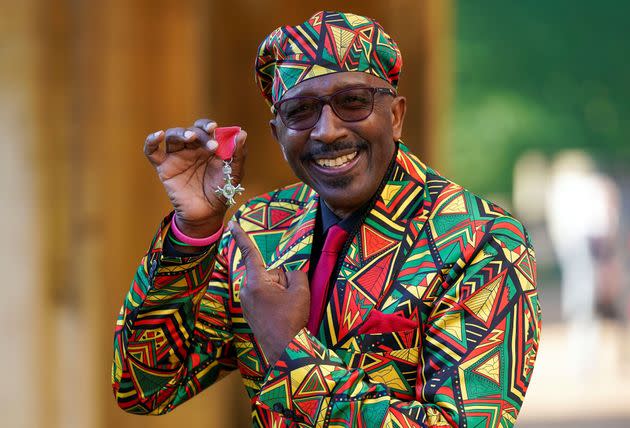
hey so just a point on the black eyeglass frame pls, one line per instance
(326, 99)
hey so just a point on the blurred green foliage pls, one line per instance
(546, 75)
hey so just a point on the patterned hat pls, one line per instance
(329, 42)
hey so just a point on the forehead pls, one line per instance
(332, 82)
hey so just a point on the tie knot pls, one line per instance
(335, 239)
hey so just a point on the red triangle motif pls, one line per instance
(309, 406)
(278, 216)
(374, 242)
(372, 280)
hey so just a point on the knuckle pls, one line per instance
(174, 132)
(204, 123)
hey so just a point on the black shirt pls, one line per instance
(324, 221)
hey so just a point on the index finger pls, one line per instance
(251, 255)
(207, 125)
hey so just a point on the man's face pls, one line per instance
(343, 161)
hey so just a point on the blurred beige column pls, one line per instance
(20, 316)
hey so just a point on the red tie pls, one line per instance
(335, 239)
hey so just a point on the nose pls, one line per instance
(329, 128)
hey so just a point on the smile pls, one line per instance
(336, 162)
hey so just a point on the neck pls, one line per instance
(341, 213)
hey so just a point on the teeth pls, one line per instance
(336, 162)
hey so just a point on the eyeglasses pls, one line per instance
(350, 105)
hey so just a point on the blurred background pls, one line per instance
(525, 103)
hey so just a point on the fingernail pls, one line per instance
(212, 144)
(208, 127)
(188, 135)
(156, 134)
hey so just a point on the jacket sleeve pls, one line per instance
(173, 335)
(480, 341)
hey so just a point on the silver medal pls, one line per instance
(228, 191)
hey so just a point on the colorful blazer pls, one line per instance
(433, 320)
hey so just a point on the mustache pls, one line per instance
(337, 146)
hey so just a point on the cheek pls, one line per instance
(292, 153)
(291, 144)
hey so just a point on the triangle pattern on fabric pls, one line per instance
(317, 70)
(526, 267)
(343, 39)
(455, 206)
(389, 193)
(490, 368)
(372, 278)
(452, 325)
(148, 382)
(309, 406)
(313, 385)
(278, 216)
(356, 20)
(482, 302)
(266, 242)
(374, 242)
(256, 216)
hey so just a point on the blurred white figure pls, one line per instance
(580, 212)
(531, 178)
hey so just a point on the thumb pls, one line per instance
(297, 280)
(240, 153)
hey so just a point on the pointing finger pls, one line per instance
(253, 260)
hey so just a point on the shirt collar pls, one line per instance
(329, 218)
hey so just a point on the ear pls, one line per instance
(399, 108)
(274, 129)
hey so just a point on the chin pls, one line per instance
(344, 198)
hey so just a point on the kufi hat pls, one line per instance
(328, 42)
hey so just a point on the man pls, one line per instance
(373, 293)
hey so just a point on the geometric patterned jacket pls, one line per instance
(428, 255)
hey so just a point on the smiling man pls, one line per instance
(341, 148)
(372, 293)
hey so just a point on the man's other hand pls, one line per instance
(275, 303)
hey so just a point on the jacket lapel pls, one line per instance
(377, 250)
(294, 248)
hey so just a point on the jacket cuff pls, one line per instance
(157, 263)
